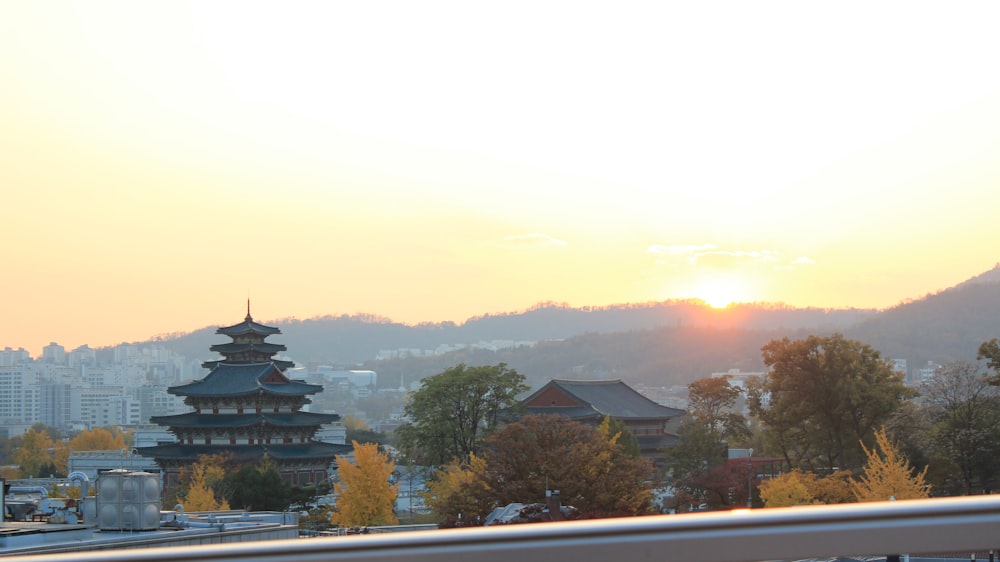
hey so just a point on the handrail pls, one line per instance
(964, 524)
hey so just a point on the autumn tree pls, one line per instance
(97, 439)
(201, 484)
(962, 409)
(459, 494)
(803, 488)
(888, 474)
(35, 453)
(786, 490)
(616, 431)
(365, 496)
(824, 398)
(590, 469)
(455, 410)
(198, 494)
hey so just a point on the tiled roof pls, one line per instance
(282, 419)
(248, 326)
(237, 379)
(313, 450)
(283, 365)
(233, 347)
(612, 398)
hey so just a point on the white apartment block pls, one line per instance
(20, 393)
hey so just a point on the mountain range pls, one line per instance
(659, 343)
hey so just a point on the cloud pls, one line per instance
(692, 253)
(535, 239)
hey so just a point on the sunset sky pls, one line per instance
(161, 162)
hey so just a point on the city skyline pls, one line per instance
(435, 162)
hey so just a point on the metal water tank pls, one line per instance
(128, 501)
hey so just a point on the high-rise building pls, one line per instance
(247, 407)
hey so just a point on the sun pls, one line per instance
(720, 293)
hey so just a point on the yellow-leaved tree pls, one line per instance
(364, 495)
(457, 489)
(201, 484)
(888, 474)
(804, 488)
(35, 453)
(786, 490)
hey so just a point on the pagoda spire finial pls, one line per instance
(248, 309)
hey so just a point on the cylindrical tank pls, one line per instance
(128, 501)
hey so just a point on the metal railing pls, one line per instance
(966, 524)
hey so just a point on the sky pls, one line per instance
(162, 162)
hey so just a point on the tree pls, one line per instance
(888, 474)
(260, 487)
(803, 488)
(201, 484)
(198, 494)
(712, 402)
(592, 472)
(365, 495)
(35, 453)
(786, 490)
(616, 431)
(695, 466)
(990, 350)
(97, 439)
(963, 410)
(823, 399)
(459, 494)
(455, 410)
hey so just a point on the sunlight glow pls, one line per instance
(721, 293)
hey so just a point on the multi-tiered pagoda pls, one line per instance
(246, 407)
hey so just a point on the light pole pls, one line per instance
(749, 478)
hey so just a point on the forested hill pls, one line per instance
(347, 340)
(943, 327)
(663, 343)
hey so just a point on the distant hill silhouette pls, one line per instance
(347, 340)
(661, 343)
(946, 326)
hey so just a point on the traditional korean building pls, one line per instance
(246, 407)
(654, 426)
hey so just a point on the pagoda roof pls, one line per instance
(279, 363)
(293, 451)
(233, 347)
(282, 419)
(237, 379)
(598, 398)
(248, 326)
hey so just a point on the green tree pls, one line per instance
(823, 399)
(990, 350)
(365, 495)
(455, 410)
(888, 474)
(712, 402)
(260, 487)
(963, 410)
(695, 466)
